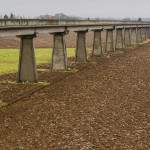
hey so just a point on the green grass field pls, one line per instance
(9, 58)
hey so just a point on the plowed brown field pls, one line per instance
(101, 105)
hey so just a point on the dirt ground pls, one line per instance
(101, 105)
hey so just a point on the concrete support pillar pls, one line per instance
(133, 36)
(81, 54)
(143, 34)
(148, 28)
(119, 38)
(109, 47)
(147, 33)
(139, 35)
(59, 56)
(27, 67)
(127, 37)
(97, 43)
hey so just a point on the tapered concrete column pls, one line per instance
(148, 28)
(81, 54)
(59, 56)
(143, 32)
(127, 37)
(119, 38)
(147, 33)
(139, 35)
(97, 43)
(27, 66)
(109, 47)
(133, 36)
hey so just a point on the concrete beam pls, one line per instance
(59, 55)
(30, 22)
(45, 29)
(81, 54)
(27, 67)
(26, 30)
(97, 43)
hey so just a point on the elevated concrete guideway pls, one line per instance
(27, 32)
(13, 27)
(34, 22)
(41, 29)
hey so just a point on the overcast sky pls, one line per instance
(84, 8)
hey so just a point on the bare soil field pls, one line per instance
(101, 105)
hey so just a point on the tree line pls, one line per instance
(12, 16)
(61, 16)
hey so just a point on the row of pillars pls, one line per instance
(124, 38)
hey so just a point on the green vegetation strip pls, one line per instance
(9, 58)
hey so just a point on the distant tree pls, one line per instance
(139, 19)
(6, 16)
(12, 16)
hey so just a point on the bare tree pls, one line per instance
(12, 16)
(139, 19)
(6, 16)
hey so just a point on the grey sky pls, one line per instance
(84, 8)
